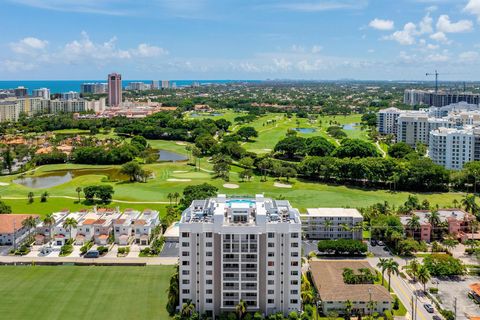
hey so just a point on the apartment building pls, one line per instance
(43, 93)
(332, 223)
(115, 90)
(452, 148)
(240, 248)
(413, 127)
(94, 88)
(387, 120)
(9, 110)
(439, 99)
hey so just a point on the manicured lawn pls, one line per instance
(68, 292)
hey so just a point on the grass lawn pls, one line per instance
(68, 292)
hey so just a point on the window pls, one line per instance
(185, 263)
(271, 254)
(208, 253)
(185, 253)
(209, 281)
(271, 301)
(270, 282)
(186, 291)
(208, 244)
(293, 301)
(185, 281)
(185, 272)
(185, 234)
(209, 291)
(294, 245)
(208, 300)
(208, 234)
(295, 235)
(209, 272)
(271, 263)
(209, 263)
(271, 235)
(271, 244)
(271, 272)
(185, 244)
(271, 291)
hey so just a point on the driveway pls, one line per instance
(170, 249)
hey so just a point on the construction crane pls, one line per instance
(436, 74)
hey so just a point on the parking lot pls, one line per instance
(448, 290)
(170, 249)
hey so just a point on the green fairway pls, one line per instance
(68, 292)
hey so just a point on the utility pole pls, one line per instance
(455, 307)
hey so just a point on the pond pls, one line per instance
(305, 130)
(349, 126)
(213, 114)
(56, 178)
(164, 155)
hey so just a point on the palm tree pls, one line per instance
(392, 267)
(307, 297)
(170, 197)
(468, 202)
(413, 224)
(78, 190)
(30, 197)
(69, 224)
(327, 224)
(173, 292)
(382, 264)
(187, 309)
(49, 221)
(412, 268)
(434, 219)
(348, 309)
(423, 276)
(455, 203)
(241, 309)
(176, 195)
(29, 223)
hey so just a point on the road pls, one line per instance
(405, 290)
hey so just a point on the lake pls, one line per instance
(56, 178)
(164, 155)
(349, 126)
(305, 130)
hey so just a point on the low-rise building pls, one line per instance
(145, 225)
(334, 292)
(457, 220)
(332, 223)
(123, 227)
(44, 233)
(12, 231)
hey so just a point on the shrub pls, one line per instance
(396, 303)
(86, 247)
(433, 290)
(102, 250)
(66, 249)
(342, 246)
(124, 250)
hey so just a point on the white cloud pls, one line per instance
(147, 51)
(16, 66)
(426, 24)
(473, 7)
(405, 36)
(381, 24)
(440, 37)
(438, 57)
(469, 56)
(316, 49)
(445, 25)
(318, 6)
(29, 45)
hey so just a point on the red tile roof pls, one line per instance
(100, 221)
(7, 221)
(89, 221)
(140, 222)
(103, 236)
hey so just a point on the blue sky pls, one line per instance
(240, 39)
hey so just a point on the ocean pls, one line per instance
(59, 86)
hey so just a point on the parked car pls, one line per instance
(435, 317)
(92, 254)
(429, 308)
(373, 242)
(46, 250)
(380, 243)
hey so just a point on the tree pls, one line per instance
(69, 224)
(188, 309)
(391, 268)
(7, 160)
(176, 195)
(246, 174)
(348, 309)
(291, 146)
(289, 172)
(29, 223)
(30, 197)
(241, 309)
(351, 148)
(78, 190)
(319, 146)
(132, 169)
(434, 219)
(247, 133)
(173, 293)
(44, 196)
(413, 224)
(423, 276)
(382, 264)
(469, 203)
(201, 191)
(223, 124)
(105, 193)
(5, 208)
(412, 268)
(400, 150)
(221, 166)
(49, 221)
(444, 265)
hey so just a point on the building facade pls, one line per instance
(387, 120)
(452, 148)
(114, 90)
(240, 248)
(332, 223)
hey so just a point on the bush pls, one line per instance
(123, 250)
(86, 247)
(102, 250)
(433, 290)
(342, 247)
(66, 249)
(396, 303)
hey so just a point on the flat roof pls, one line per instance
(328, 280)
(333, 212)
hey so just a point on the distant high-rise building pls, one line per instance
(71, 95)
(114, 90)
(165, 84)
(93, 88)
(42, 93)
(155, 85)
(21, 92)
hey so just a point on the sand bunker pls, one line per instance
(180, 171)
(282, 185)
(179, 180)
(231, 186)
(181, 143)
(3, 184)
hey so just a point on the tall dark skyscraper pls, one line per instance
(114, 90)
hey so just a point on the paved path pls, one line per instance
(76, 198)
(114, 260)
(384, 154)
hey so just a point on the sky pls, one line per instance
(240, 39)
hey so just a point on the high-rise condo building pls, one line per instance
(43, 93)
(114, 90)
(234, 249)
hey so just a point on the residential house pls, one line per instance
(123, 227)
(85, 229)
(103, 227)
(43, 232)
(12, 230)
(145, 225)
